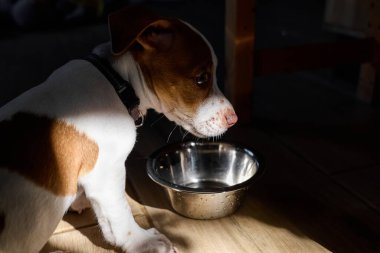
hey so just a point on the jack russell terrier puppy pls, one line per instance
(73, 133)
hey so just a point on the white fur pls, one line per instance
(29, 231)
(78, 94)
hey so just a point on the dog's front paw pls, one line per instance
(151, 241)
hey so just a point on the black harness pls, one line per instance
(122, 87)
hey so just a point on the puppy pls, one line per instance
(74, 131)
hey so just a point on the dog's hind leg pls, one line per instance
(29, 213)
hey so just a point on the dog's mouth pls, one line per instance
(201, 129)
(197, 133)
(186, 122)
(194, 132)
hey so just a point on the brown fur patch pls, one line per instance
(170, 72)
(50, 153)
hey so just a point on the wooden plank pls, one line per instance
(83, 240)
(239, 43)
(276, 60)
(369, 81)
(329, 148)
(364, 183)
(294, 189)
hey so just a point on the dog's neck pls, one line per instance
(126, 66)
(129, 69)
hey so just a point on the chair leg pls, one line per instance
(369, 81)
(239, 44)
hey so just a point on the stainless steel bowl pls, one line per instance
(204, 180)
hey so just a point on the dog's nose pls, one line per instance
(231, 118)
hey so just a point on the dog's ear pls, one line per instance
(137, 23)
(157, 36)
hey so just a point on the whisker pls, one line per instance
(186, 133)
(162, 115)
(171, 133)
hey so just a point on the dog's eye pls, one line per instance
(202, 78)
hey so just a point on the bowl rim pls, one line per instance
(173, 146)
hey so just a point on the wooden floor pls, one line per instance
(320, 193)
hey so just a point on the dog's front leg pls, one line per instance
(108, 199)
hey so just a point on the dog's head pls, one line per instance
(179, 67)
